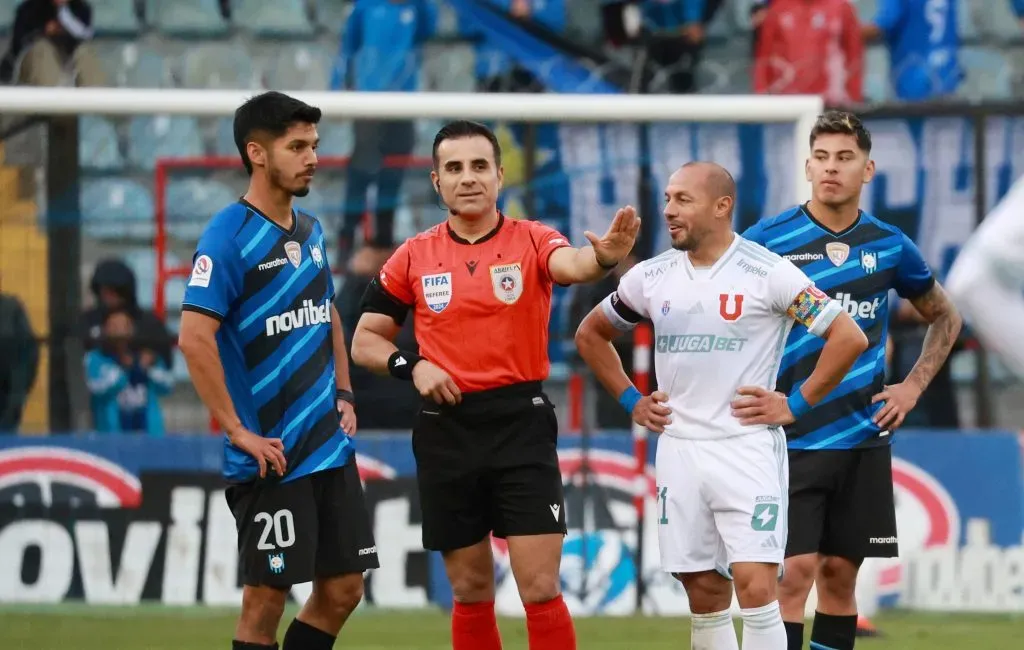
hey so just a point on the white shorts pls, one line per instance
(722, 501)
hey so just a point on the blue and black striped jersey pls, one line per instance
(272, 291)
(856, 267)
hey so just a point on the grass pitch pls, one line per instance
(148, 627)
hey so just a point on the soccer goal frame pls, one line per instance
(801, 110)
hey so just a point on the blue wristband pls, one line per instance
(797, 404)
(629, 398)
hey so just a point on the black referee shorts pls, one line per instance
(489, 464)
(842, 503)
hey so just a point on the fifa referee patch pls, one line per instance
(808, 305)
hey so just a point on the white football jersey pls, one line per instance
(987, 279)
(717, 328)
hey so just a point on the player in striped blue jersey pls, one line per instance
(842, 506)
(266, 353)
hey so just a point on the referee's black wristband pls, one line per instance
(347, 395)
(603, 266)
(401, 363)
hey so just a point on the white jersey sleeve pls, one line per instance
(986, 281)
(627, 306)
(794, 294)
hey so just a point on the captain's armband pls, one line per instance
(622, 316)
(814, 310)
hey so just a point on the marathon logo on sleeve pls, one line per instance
(307, 315)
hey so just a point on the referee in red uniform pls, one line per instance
(479, 287)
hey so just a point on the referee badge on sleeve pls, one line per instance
(507, 281)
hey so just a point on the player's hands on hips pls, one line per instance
(651, 412)
(264, 450)
(435, 383)
(619, 240)
(900, 399)
(758, 405)
(347, 415)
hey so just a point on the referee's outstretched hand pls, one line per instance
(616, 243)
(651, 412)
(435, 383)
(264, 450)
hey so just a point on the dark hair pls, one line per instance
(270, 113)
(466, 129)
(842, 123)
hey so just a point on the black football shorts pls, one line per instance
(842, 503)
(489, 464)
(315, 526)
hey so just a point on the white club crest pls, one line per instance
(507, 281)
(293, 251)
(869, 261)
(837, 252)
(437, 291)
(318, 258)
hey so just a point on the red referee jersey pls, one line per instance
(480, 309)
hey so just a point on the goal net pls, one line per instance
(153, 165)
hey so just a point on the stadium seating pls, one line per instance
(967, 26)
(187, 18)
(115, 18)
(877, 83)
(99, 149)
(331, 15)
(162, 136)
(300, 67)
(987, 74)
(191, 202)
(280, 18)
(135, 65)
(116, 208)
(218, 65)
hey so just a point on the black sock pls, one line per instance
(833, 632)
(303, 636)
(242, 645)
(794, 636)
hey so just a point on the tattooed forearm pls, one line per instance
(943, 329)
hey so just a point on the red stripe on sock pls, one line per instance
(549, 626)
(474, 627)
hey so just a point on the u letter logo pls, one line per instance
(737, 306)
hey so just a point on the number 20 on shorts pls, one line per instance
(281, 524)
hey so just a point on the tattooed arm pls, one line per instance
(938, 310)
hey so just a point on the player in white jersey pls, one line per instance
(987, 279)
(721, 307)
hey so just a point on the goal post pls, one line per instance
(800, 110)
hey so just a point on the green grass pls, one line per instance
(75, 627)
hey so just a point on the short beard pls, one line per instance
(277, 180)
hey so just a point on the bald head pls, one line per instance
(699, 200)
(715, 178)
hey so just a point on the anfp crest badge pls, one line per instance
(869, 261)
(507, 281)
(837, 252)
(293, 251)
(437, 291)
